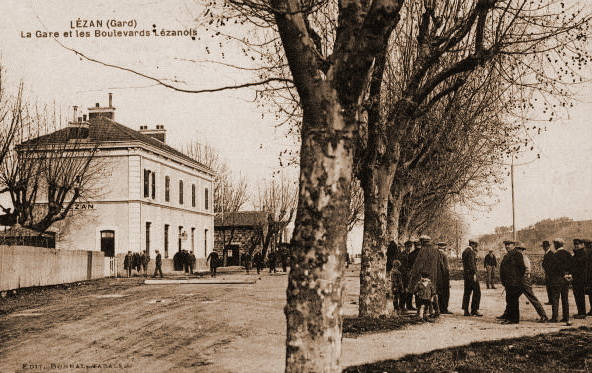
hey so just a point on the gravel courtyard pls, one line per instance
(123, 325)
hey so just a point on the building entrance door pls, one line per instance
(108, 243)
(231, 252)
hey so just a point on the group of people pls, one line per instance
(420, 270)
(184, 261)
(561, 268)
(138, 261)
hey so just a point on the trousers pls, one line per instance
(471, 287)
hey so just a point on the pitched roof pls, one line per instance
(241, 219)
(103, 129)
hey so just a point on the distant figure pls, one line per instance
(258, 261)
(136, 262)
(214, 260)
(397, 289)
(128, 263)
(490, 263)
(443, 289)
(284, 259)
(579, 278)
(144, 259)
(178, 261)
(247, 261)
(158, 264)
(471, 280)
(547, 260)
(424, 292)
(192, 261)
(560, 279)
(347, 259)
(185, 260)
(527, 287)
(271, 258)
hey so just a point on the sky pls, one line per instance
(558, 184)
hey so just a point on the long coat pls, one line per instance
(428, 259)
(512, 269)
(469, 260)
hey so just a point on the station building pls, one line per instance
(148, 196)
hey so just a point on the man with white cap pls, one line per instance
(469, 258)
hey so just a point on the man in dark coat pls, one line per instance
(579, 277)
(272, 261)
(416, 245)
(547, 260)
(144, 259)
(427, 261)
(560, 279)
(471, 280)
(192, 261)
(490, 263)
(511, 275)
(128, 263)
(392, 254)
(258, 261)
(405, 274)
(214, 260)
(158, 264)
(588, 290)
(508, 246)
(443, 289)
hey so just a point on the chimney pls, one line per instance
(104, 112)
(158, 133)
(75, 113)
(84, 117)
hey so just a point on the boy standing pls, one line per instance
(424, 292)
(397, 288)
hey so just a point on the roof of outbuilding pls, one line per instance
(241, 219)
(103, 129)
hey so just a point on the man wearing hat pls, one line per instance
(504, 274)
(443, 289)
(411, 257)
(426, 261)
(560, 277)
(547, 262)
(490, 263)
(512, 273)
(579, 277)
(469, 258)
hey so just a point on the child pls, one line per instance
(397, 288)
(424, 291)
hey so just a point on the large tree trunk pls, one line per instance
(373, 283)
(314, 294)
(395, 203)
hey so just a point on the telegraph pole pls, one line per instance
(513, 200)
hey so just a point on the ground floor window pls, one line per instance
(108, 242)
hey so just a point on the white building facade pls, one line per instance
(147, 197)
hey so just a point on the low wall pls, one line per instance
(26, 266)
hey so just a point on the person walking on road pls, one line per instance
(547, 260)
(145, 259)
(158, 264)
(128, 263)
(258, 260)
(214, 260)
(490, 263)
(471, 280)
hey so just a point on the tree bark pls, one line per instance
(394, 211)
(373, 282)
(314, 294)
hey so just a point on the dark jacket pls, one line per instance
(562, 266)
(426, 261)
(128, 261)
(396, 281)
(490, 260)
(392, 253)
(469, 263)
(512, 269)
(547, 264)
(214, 259)
(443, 271)
(424, 290)
(579, 262)
(158, 261)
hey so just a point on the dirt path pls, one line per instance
(213, 328)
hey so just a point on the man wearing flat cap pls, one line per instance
(469, 258)
(560, 277)
(504, 276)
(490, 263)
(547, 262)
(579, 277)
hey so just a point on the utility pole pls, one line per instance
(513, 200)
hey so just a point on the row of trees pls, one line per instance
(418, 101)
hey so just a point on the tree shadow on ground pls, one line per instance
(356, 326)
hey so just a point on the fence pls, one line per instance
(26, 266)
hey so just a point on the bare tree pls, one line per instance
(47, 169)
(278, 201)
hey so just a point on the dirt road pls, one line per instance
(211, 328)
